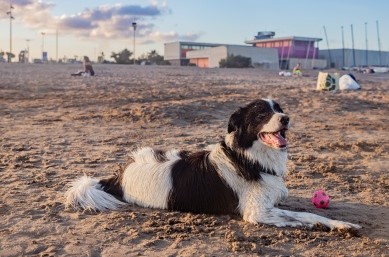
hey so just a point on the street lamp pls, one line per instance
(10, 30)
(134, 26)
(43, 44)
(27, 60)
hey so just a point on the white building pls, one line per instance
(209, 55)
(175, 52)
(209, 58)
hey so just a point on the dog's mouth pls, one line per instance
(274, 139)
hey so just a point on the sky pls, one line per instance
(90, 27)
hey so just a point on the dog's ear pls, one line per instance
(235, 121)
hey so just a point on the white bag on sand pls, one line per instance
(285, 73)
(327, 81)
(346, 82)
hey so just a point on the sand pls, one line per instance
(55, 128)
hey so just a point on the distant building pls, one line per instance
(210, 58)
(354, 58)
(291, 50)
(175, 52)
(208, 55)
(265, 51)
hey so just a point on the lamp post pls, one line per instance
(28, 51)
(134, 26)
(56, 45)
(43, 43)
(10, 30)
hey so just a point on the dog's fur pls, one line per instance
(242, 174)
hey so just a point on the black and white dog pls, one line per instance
(242, 174)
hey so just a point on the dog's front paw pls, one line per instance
(336, 224)
(292, 224)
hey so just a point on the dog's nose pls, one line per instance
(284, 120)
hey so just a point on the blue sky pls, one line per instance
(89, 27)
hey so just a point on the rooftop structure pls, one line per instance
(265, 35)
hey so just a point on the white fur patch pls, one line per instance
(253, 196)
(227, 171)
(147, 182)
(86, 192)
(282, 218)
(270, 101)
(270, 158)
(274, 124)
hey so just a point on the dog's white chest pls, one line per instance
(273, 189)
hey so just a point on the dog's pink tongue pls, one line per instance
(275, 139)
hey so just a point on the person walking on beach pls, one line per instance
(88, 69)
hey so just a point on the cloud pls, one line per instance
(190, 36)
(110, 21)
(102, 22)
(21, 2)
(77, 22)
(32, 13)
(152, 10)
(170, 37)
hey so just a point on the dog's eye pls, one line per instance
(259, 117)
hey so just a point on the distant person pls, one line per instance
(297, 70)
(88, 69)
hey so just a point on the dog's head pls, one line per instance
(261, 120)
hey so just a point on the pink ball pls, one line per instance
(320, 199)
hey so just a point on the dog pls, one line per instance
(243, 174)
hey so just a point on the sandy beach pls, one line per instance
(55, 128)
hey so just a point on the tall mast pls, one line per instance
(367, 60)
(343, 58)
(328, 46)
(352, 40)
(379, 43)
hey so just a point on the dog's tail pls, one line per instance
(97, 195)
